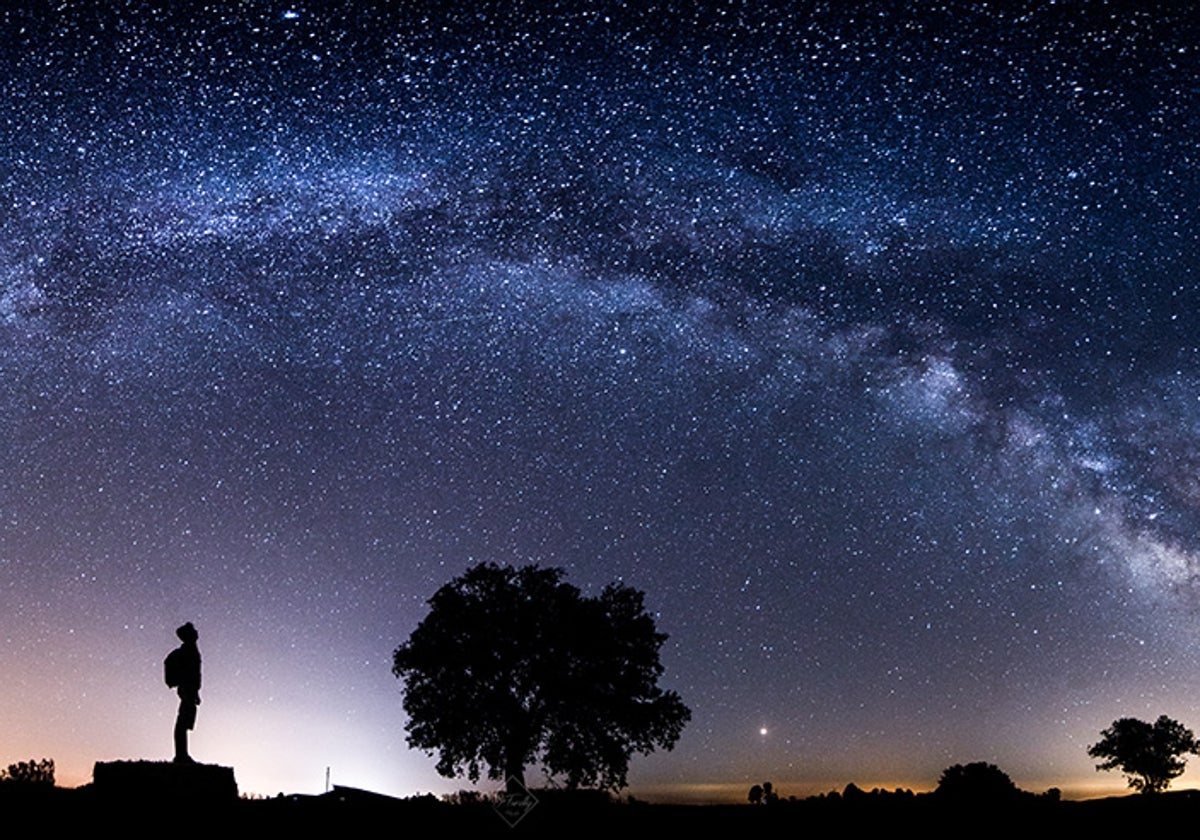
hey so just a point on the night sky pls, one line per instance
(861, 338)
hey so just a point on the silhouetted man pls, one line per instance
(182, 668)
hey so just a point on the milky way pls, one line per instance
(861, 339)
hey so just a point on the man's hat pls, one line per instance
(187, 633)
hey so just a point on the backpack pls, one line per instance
(173, 667)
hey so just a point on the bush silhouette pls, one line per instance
(30, 773)
(976, 782)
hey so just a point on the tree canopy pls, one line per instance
(29, 773)
(978, 781)
(1149, 755)
(512, 666)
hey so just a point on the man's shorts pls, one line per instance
(187, 713)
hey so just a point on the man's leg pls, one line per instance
(184, 720)
(181, 748)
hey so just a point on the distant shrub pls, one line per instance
(976, 782)
(29, 773)
(853, 793)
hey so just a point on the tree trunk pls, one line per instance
(514, 773)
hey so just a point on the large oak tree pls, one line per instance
(513, 666)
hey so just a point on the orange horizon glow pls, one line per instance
(76, 772)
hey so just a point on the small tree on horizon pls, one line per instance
(976, 782)
(1150, 756)
(30, 773)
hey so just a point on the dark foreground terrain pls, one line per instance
(60, 810)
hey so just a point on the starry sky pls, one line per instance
(860, 336)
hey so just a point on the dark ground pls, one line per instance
(58, 810)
